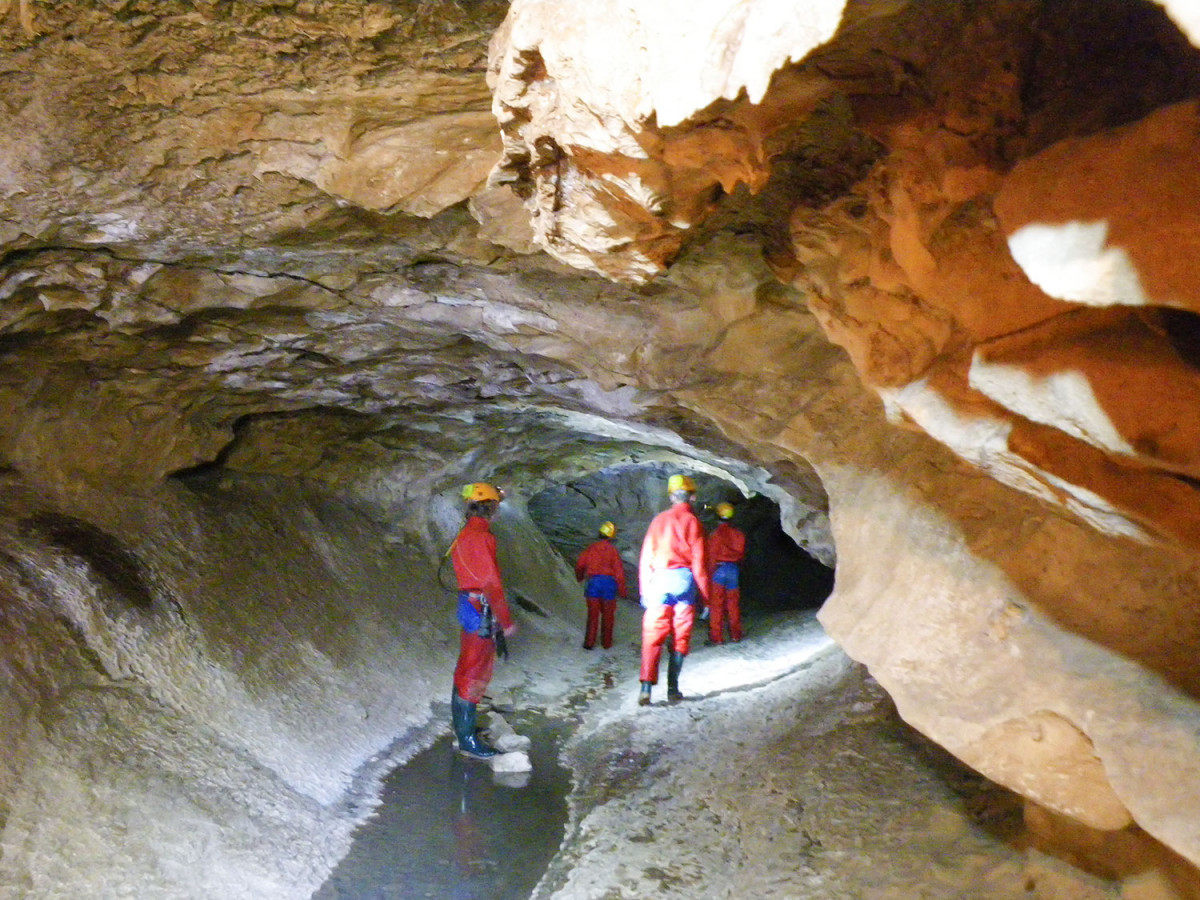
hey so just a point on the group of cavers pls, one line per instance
(681, 572)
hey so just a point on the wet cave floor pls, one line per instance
(448, 828)
(785, 773)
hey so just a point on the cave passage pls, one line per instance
(777, 573)
(277, 279)
(448, 827)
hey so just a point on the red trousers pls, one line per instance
(476, 662)
(600, 614)
(658, 622)
(725, 603)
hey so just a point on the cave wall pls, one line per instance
(1005, 267)
(950, 584)
(159, 709)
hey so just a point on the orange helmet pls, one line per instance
(724, 510)
(480, 491)
(608, 529)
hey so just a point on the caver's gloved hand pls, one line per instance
(501, 644)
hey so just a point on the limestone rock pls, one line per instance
(919, 273)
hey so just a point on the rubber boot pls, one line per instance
(644, 694)
(674, 665)
(462, 714)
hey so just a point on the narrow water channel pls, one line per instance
(448, 828)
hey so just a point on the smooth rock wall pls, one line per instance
(965, 632)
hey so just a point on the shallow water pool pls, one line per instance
(447, 828)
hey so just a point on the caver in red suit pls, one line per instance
(478, 574)
(673, 571)
(726, 550)
(601, 565)
(482, 608)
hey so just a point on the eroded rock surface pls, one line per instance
(919, 272)
(1010, 190)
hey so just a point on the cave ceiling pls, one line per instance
(329, 239)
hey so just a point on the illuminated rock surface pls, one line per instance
(277, 279)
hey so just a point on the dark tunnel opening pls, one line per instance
(777, 575)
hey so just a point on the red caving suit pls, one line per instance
(475, 566)
(601, 565)
(673, 575)
(726, 550)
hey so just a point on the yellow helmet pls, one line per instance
(608, 529)
(481, 490)
(724, 510)
(680, 483)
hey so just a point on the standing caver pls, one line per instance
(673, 575)
(601, 565)
(726, 550)
(482, 612)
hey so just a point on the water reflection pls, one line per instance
(449, 828)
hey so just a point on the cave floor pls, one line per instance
(786, 773)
